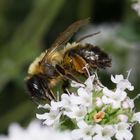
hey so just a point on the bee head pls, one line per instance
(35, 87)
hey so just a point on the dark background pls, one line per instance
(28, 27)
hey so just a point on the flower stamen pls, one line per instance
(99, 116)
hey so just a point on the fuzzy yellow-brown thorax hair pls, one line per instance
(70, 46)
(55, 58)
(34, 67)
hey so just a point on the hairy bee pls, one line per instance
(62, 61)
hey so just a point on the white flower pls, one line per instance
(123, 131)
(136, 117)
(96, 116)
(66, 101)
(123, 118)
(46, 106)
(122, 83)
(117, 78)
(113, 98)
(99, 102)
(34, 132)
(74, 99)
(136, 7)
(77, 85)
(89, 83)
(77, 112)
(51, 118)
(85, 98)
(55, 106)
(128, 103)
(54, 114)
(85, 131)
(104, 133)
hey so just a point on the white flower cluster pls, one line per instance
(136, 6)
(34, 132)
(96, 112)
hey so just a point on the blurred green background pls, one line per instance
(28, 27)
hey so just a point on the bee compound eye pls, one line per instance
(35, 87)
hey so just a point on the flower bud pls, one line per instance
(99, 102)
(123, 118)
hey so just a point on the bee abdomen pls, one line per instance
(94, 56)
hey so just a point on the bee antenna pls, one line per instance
(87, 36)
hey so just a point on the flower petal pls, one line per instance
(136, 117)
(117, 78)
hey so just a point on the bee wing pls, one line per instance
(64, 37)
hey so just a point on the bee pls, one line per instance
(62, 62)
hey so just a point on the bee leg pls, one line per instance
(65, 85)
(49, 93)
(66, 74)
